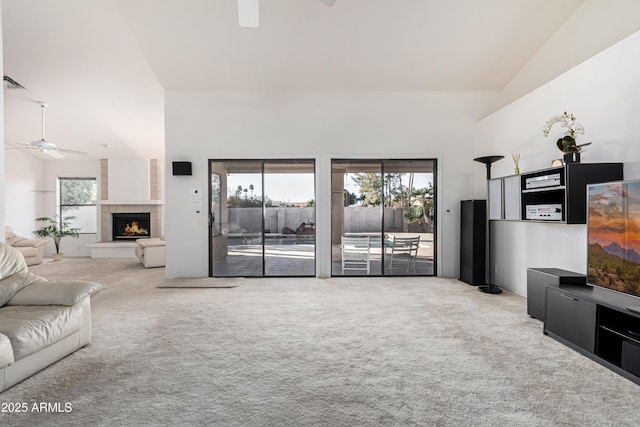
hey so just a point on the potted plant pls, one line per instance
(567, 144)
(57, 229)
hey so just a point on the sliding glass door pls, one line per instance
(262, 218)
(236, 219)
(290, 218)
(356, 212)
(389, 205)
(409, 213)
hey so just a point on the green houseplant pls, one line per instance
(56, 230)
(567, 144)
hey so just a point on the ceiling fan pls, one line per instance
(248, 12)
(49, 148)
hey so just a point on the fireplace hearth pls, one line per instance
(131, 226)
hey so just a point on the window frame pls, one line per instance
(385, 164)
(61, 206)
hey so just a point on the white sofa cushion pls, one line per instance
(6, 351)
(11, 262)
(31, 328)
(55, 292)
(11, 285)
(14, 274)
(28, 251)
(17, 241)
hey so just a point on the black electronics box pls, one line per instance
(182, 168)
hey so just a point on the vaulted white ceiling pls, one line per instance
(103, 65)
(354, 45)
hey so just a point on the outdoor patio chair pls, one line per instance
(404, 251)
(356, 254)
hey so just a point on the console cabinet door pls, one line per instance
(571, 318)
(495, 199)
(512, 192)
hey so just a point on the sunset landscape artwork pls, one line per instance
(614, 236)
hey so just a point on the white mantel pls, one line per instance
(129, 202)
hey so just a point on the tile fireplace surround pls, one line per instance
(109, 206)
(106, 212)
(111, 201)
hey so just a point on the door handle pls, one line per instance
(569, 297)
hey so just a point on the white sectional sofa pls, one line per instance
(41, 321)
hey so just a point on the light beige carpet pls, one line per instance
(201, 282)
(312, 352)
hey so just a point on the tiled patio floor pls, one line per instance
(299, 260)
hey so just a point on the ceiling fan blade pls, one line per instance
(248, 13)
(66, 150)
(328, 2)
(9, 147)
(25, 146)
(53, 153)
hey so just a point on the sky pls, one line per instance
(297, 187)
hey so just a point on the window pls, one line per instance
(78, 199)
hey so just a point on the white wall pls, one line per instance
(2, 155)
(596, 25)
(604, 94)
(319, 125)
(24, 191)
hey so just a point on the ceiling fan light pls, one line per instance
(248, 16)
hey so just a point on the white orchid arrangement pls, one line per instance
(566, 144)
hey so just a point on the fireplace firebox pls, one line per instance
(131, 226)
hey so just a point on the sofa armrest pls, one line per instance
(6, 353)
(24, 243)
(60, 292)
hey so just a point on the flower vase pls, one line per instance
(573, 157)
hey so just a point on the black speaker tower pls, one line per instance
(473, 242)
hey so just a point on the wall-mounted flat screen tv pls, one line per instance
(613, 224)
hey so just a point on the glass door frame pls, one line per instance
(435, 226)
(215, 223)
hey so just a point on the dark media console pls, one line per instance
(601, 324)
(634, 309)
(537, 281)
